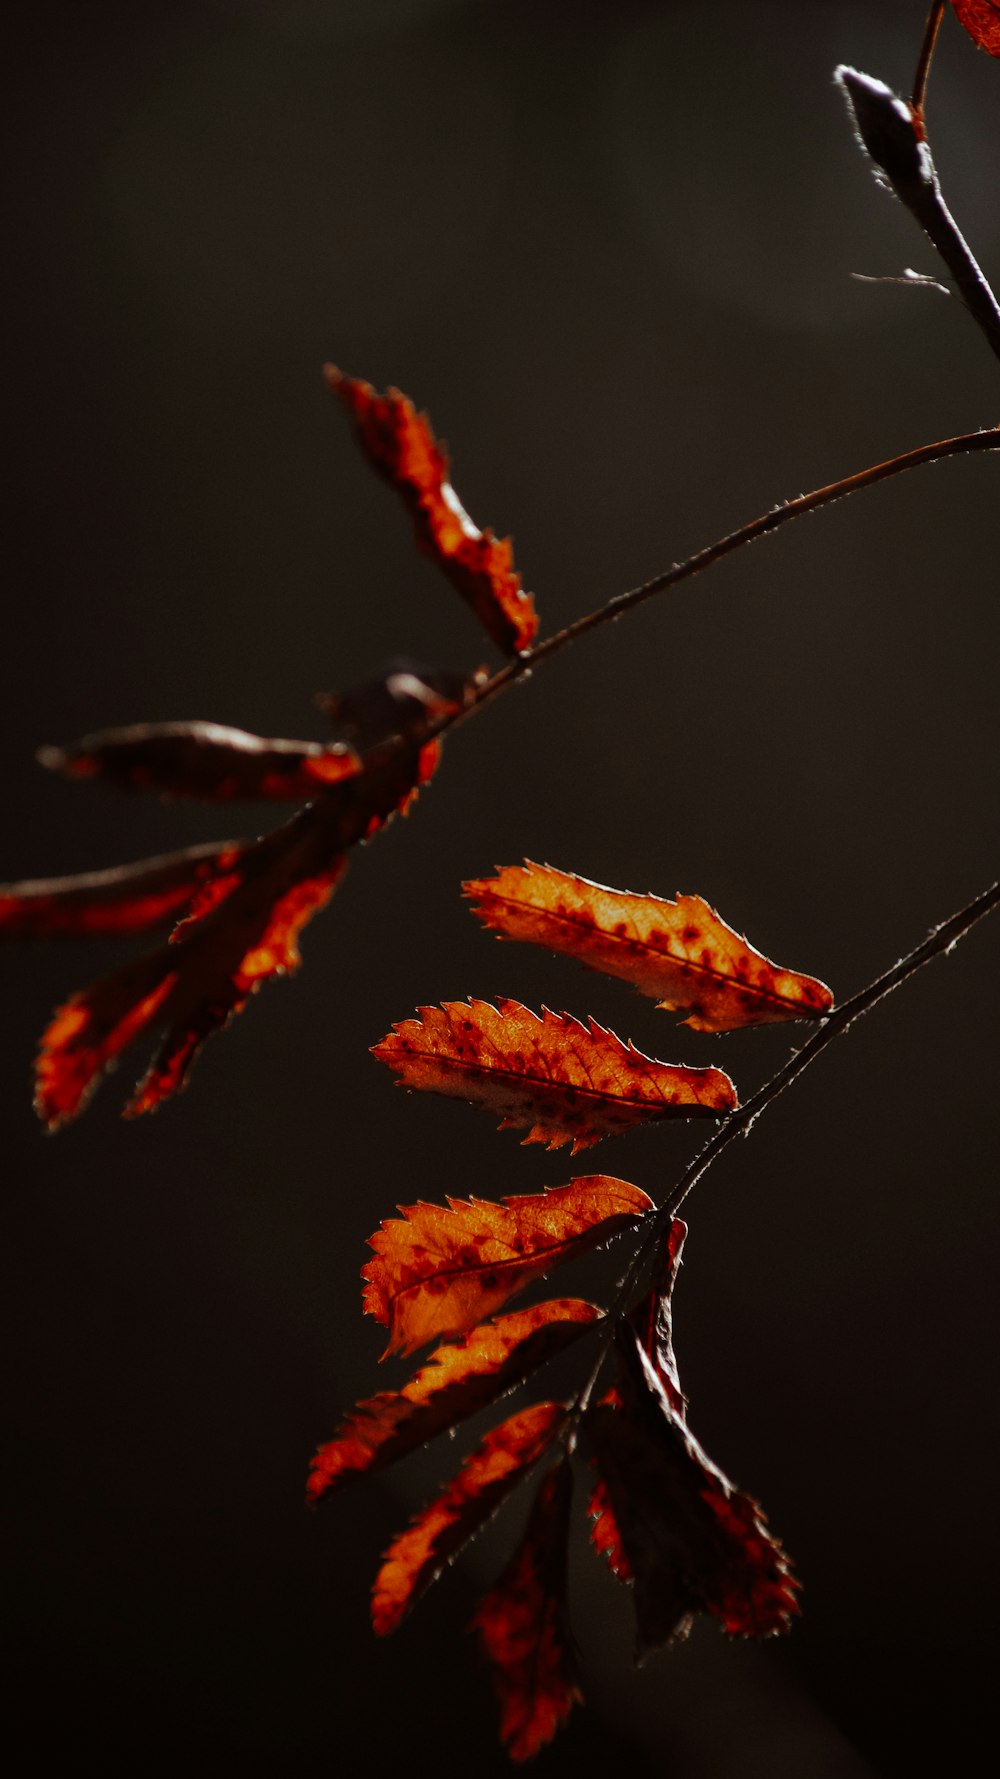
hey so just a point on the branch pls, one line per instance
(983, 440)
(941, 939)
(893, 136)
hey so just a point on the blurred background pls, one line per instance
(609, 247)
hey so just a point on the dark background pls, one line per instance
(609, 247)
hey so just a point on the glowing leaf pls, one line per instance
(682, 954)
(565, 1082)
(440, 1271)
(435, 1536)
(981, 19)
(455, 1383)
(126, 899)
(523, 1630)
(204, 760)
(401, 446)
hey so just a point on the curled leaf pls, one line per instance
(455, 1383)
(688, 1538)
(440, 1271)
(434, 1537)
(401, 446)
(523, 1631)
(566, 1082)
(681, 953)
(981, 19)
(205, 761)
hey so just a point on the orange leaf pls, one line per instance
(690, 1540)
(523, 1630)
(981, 19)
(441, 1271)
(455, 1383)
(682, 954)
(204, 760)
(567, 1082)
(126, 899)
(400, 444)
(435, 1536)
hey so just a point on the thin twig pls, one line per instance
(888, 130)
(933, 26)
(942, 939)
(524, 664)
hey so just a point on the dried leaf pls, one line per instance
(691, 1541)
(126, 899)
(240, 929)
(405, 698)
(682, 954)
(981, 19)
(440, 1271)
(652, 1317)
(435, 1536)
(204, 760)
(523, 1630)
(456, 1382)
(400, 444)
(567, 1082)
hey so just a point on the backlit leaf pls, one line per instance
(205, 761)
(440, 1271)
(126, 899)
(981, 19)
(455, 1383)
(241, 927)
(434, 1537)
(523, 1631)
(682, 954)
(565, 1082)
(400, 444)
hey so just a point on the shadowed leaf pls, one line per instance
(240, 928)
(981, 19)
(682, 954)
(205, 761)
(417, 1557)
(403, 699)
(440, 1271)
(455, 1383)
(688, 1538)
(126, 899)
(523, 1630)
(400, 444)
(566, 1082)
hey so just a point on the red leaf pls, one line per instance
(126, 899)
(523, 1631)
(204, 760)
(455, 1383)
(241, 928)
(682, 954)
(400, 444)
(652, 1316)
(981, 19)
(441, 1271)
(435, 1536)
(690, 1539)
(567, 1082)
